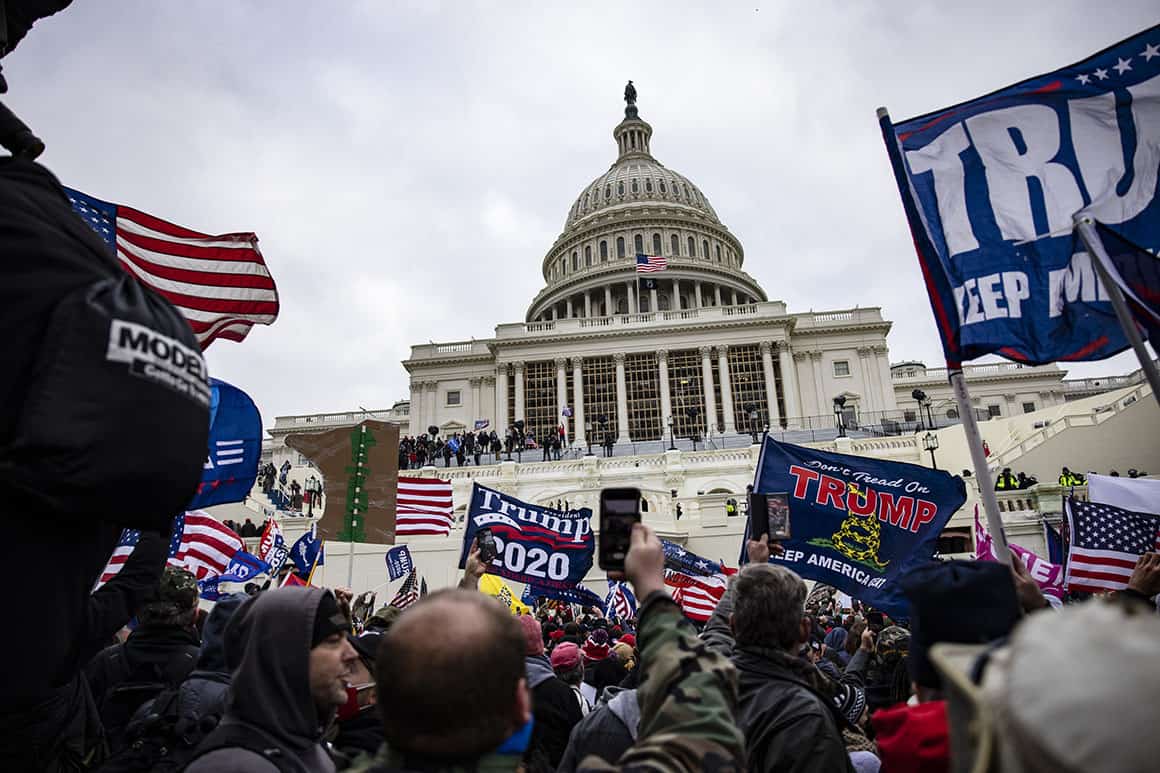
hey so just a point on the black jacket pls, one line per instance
(555, 709)
(608, 731)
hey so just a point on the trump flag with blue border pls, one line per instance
(991, 188)
(235, 444)
(857, 523)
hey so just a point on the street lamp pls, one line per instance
(672, 436)
(839, 406)
(930, 443)
(920, 398)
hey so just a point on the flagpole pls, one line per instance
(1091, 239)
(979, 460)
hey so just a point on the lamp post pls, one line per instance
(672, 435)
(920, 398)
(839, 405)
(930, 443)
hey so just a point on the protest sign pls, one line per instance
(536, 545)
(857, 523)
(1048, 576)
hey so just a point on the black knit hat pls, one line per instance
(963, 602)
(328, 620)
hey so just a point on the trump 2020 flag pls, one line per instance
(399, 563)
(857, 523)
(235, 443)
(991, 188)
(536, 545)
(307, 553)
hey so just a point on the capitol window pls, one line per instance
(692, 247)
(994, 411)
(454, 397)
(718, 253)
(705, 247)
(656, 244)
(638, 244)
(1029, 407)
(675, 242)
(575, 261)
(663, 189)
(603, 250)
(608, 191)
(635, 186)
(620, 188)
(841, 367)
(648, 186)
(620, 246)
(588, 255)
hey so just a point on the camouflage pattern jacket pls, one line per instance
(688, 702)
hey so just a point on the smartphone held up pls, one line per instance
(619, 510)
(769, 514)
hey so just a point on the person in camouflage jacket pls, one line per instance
(687, 692)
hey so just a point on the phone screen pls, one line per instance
(487, 548)
(619, 510)
(777, 509)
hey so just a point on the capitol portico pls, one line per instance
(697, 350)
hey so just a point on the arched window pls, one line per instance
(663, 189)
(563, 267)
(675, 243)
(663, 302)
(588, 255)
(575, 261)
(608, 191)
(635, 186)
(692, 248)
(620, 188)
(718, 253)
(656, 244)
(621, 305)
(648, 186)
(644, 302)
(638, 244)
(620, 246)
(705, 248)
(603, 250)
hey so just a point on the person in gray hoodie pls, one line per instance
(292, 675)
(608, 731)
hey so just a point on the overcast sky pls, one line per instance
(406, 165)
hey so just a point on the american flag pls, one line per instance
(647, 264)
(125, 546)
(409, 592)
(620, 601)
(220, 284)
(697, 596)
(423, 507)
(1106, 542)
(201, 544)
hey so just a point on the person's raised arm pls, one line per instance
(473, 569)
(113, 604)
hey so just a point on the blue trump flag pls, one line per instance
(991, 187)
(235, 443)
(399, 563)
(243, 567)
(537, 545)
(577, 595)
(857, 523)
(307, 553)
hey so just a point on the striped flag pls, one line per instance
(220, 284)
(1106, 543)
(697, 596)
(423, 507)
(121, 553)
(647, 264)
(202, 545)
(620, 601)
(409, 593)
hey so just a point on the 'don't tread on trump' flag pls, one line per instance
(220, 284)
(991, 188)
(857, 523)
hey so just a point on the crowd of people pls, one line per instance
(309, 679)
(486, 447)
(1006, 481)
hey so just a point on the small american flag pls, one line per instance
(1106, 542)
(620, 602)
(220, 284)
(202, 545)
(423, 507)
(697, 596)
(409, 593)
(646, 264)
(125, 546)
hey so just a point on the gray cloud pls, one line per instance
(407, 165)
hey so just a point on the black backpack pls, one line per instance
(141, 682)
(165, 739)
(234, 736)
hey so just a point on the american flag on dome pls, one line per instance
(646, 264)
(423, 506)
(220, 284)
(121, 553)
(202, 545)
(1106, 542)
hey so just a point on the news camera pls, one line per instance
(16, 18)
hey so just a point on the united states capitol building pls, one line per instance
(683, 374)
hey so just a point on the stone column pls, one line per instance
(608, 309)
(789, 381)
(475, 383)
(431, 400)
(707, 384)
(770, 384)
(588, 304)
(819, 388)
(621, 399)
(666, 398)
(488, 385)
(578, 399)
(652, 298)
(501, 394)
(630, 297)
(519, 368)
(697, 294)
(676, 304)
(561, 390)
(726, 388)
(869, 378)
(416, 410)
(717, 294)
(568, 309)
(882, 368)
(734, 297)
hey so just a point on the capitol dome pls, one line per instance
(639, 206)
